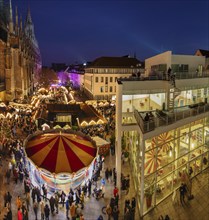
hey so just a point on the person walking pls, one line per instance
(25, 214)
(18, 203)
(42, 205)
(72, 211)
(27, 199)
(115, 213)
(56, 197)
(19, 214)
(82, 200)
(81, 217)
(52, 204)
(8, 175)
(89, 188)
(35, 209)
(109, 211)
(46, 212)
(44, 189)
(182, 190)
(115, 191)
(67, 206)
(107, 174)
(167, 217)
(63, 195)
(8, 215)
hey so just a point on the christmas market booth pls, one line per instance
(103, 145)
(59, 158)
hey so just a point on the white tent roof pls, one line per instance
(100, 141)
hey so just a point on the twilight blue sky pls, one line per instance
(82, 30)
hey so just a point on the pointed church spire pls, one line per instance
(11, 28)
(20, 23)
(28, 18)
(16, 21)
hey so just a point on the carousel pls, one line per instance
(60, 159)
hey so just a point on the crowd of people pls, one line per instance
(37, 199)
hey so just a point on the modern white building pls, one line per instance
(164, 128)
(101, 75)
(204, 53)
(184, 64)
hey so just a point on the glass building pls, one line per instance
(165, 129)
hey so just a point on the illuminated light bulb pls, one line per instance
(192, 145)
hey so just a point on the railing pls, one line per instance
(164, 76)
(165, 118)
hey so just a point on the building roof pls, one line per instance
(83, 112)
(117, 62)
(204, 52)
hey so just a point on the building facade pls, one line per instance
(167, 144)
(182, 65)
(204, 53)
(19, 54)
(101, 75)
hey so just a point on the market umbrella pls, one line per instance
(163, 141)
(60, 152)
(152, 160)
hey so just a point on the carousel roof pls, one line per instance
(60, 152)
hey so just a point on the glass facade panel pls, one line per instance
(143, 102)
(170, 158)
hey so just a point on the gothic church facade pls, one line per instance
(20, 58)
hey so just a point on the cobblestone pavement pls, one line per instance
(195, 209)
(92, 208)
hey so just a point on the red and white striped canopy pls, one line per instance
(61, 152)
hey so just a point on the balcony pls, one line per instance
(163, 118)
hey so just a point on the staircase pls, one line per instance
(174, 92)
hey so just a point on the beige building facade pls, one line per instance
(101, 75)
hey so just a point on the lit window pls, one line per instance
(102, 79)
(96, 79)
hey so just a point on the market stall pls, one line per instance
(102, 144)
